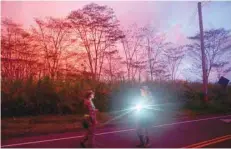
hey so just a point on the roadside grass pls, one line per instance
(195, 108)
(37, 125)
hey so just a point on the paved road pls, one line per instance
(165, 133)
(224, 144)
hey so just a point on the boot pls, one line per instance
(141, 141)
(82, 143)
(146, 141)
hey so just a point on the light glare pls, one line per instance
(138, 107)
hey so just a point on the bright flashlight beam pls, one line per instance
(163, 104)
(114, 112)
(117, 117)
(138, 107)
(153, 108)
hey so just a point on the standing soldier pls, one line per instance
(89, 121)
(144, 117)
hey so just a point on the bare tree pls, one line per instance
(18, 55)
(132, 47)
(173, 58)
(52, 35)
(161, 72)
(217, 47)
(97, 28)
(113, 66)
(154, 47)
(222, 69)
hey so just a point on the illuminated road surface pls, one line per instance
(165, 133)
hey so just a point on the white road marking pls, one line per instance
(104, 133)
(226, 120)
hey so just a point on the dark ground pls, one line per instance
(166, 132)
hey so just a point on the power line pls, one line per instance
(203, 6)
(192, 18)
(194, 14)
(205, 3)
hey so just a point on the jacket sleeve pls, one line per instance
(91, 110)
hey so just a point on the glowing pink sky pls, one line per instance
(177, 19)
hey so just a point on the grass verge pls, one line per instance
(37, 125)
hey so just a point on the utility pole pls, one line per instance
(205, 81)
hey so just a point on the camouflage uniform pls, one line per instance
(89, 123)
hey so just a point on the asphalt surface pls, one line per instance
(165, 132)
(224, 144)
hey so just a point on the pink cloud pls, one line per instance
(176, 35)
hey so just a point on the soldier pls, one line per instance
(89, 121)
(143, 118)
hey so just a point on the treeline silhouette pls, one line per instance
(47, 68)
